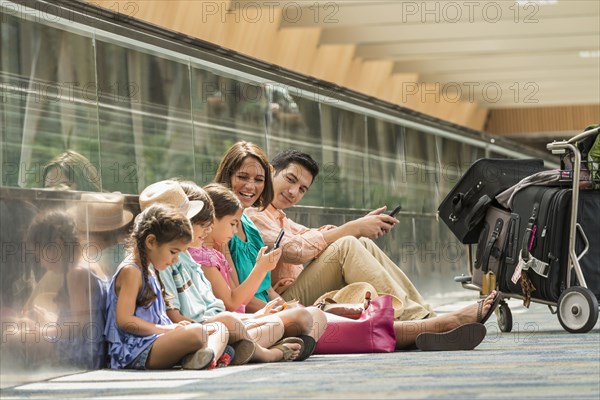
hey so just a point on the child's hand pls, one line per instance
(172, 327)
(267, 261)
(271, 307)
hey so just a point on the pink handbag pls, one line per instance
(373, 332)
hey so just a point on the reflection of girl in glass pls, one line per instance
(69, 298)
(72, 171)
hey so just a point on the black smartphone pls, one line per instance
(395, 210)
(278, 240)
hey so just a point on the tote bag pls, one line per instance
(373, 332)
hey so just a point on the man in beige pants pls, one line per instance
(334, 256)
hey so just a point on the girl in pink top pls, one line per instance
(214, 257)
(210, 258)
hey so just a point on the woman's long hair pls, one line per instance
(232, 162)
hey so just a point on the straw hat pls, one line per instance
(354, 293)
(101, 212)
(170, 193)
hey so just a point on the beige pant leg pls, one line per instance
(415, 306)
(348, 260)
(322, 275)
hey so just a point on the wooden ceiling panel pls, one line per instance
(472, 46)
(578, 25)
(386, 48)
(327, 14)
(498, 62)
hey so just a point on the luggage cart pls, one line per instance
(577, 306)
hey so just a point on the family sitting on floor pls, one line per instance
(203, 286)
(206, 282)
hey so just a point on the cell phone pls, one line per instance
(278, 240)
(395, 210)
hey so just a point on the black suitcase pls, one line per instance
(496, 244)
(588, 216)
(543, 233)
(463, 209)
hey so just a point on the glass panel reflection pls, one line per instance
(295, 123)
(344, 143)
(144, 118)
(225, 111)
(387, 180)
(421, 171)
(46, 106)
(57, 262)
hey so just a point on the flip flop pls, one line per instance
(244, 350)
(465, 337)
(483, 318)
(309, 347)
(287, 352)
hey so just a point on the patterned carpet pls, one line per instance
(537, 360)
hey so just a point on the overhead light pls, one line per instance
(589, 54)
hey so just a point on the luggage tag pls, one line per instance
(538, 266)
(518, 270)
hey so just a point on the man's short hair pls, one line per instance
(283, 159)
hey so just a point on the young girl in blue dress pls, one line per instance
(138, 331)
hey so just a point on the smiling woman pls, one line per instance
(249, 181)
(246, 171)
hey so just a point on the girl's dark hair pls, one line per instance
(167, 225)
(56, 228)
(224, 200)
(195, 192)
(232, 162)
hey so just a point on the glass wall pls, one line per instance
(87, 111)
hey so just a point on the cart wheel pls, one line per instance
(505, 322)
(577, 309)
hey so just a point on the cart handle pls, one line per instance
(561, 144)
(585, 241)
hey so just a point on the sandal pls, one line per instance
(483, 318)
(309, 347)
(244, 351)
(465, 337)
(287, 352)
(200, 359)
(226, 357)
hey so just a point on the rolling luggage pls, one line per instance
(463, 209)
(544, 214)
(544, 249)
(497, 242)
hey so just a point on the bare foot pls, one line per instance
(278, 353)
(469, 314)
(287, 351)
